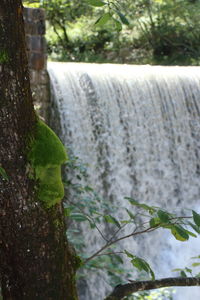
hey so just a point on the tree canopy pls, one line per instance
(157, 31)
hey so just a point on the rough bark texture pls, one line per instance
(124, 290)
(35, 259)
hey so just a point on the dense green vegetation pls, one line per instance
(136, 32)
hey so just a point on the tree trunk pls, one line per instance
(35, 258)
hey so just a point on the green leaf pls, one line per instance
(88, 188)
(150, 209)
(97, 213)
(188, 270)
(3, 174)
(126, 221)
(196, 264)
(191, 233)
(118, 25)
(195, 227)
(139, 264)
(154, 222)
(142, 265)
(103, 19)
(177, 270)
(68, 210)
(131, 215)
(167, 226)
(163, 216)
(152, 274)
(179, 233)
(133, 201)
(183, 274)
(112, 220)
(122, 18)
(78, 217)
(118, 258)
(96, 3)
(196, 218)
(129, 254)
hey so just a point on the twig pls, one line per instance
(116, 232)
(117, 240)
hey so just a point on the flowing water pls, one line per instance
(138, 129)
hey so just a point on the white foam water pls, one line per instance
(138, 129)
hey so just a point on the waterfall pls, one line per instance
(138, 130)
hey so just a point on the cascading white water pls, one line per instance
(138, 129)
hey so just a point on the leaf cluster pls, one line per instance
(111, 13)
(157, 32)
(140, 264)
(142, 218)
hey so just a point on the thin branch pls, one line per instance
(117, 240)
(122, 227)
(149, 229)
(134, 233)
(99, 231)
(123, 290)
(116, 232)
(58, 35)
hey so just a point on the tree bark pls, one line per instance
(35, 259)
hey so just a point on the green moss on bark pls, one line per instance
(46, 156)
(4, 58)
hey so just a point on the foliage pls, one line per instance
(61, 16)
(78, 32)
(86, 206)
(46, 156)
(31, 3)
(170, 29)
(113, 13)
(86, 44)
(141, 31)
